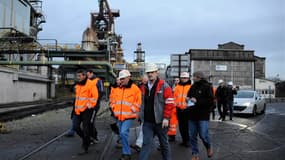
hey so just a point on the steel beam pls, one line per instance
(47, 63)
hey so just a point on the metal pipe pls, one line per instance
(49, 39)
(51, 52)
(46, 63)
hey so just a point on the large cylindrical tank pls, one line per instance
(89, 40)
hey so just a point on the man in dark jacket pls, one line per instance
(231, 92)
(98, 84)
(201, 94)
(222, 96)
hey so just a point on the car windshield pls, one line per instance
(244, 94)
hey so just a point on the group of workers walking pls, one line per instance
(158, 107)
(88, 92)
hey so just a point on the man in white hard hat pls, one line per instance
(221, 95)
(180, 94)
(157, 106)
(125, 105)
(231, 92)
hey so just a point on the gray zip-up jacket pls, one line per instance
(163, 101)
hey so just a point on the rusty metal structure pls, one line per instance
(21, 49)
(100, 35)
(20, 24)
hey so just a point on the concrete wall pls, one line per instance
(16, 88)
(241, 73)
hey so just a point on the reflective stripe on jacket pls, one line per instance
(125, 102)
(85, 97)
(180, 94)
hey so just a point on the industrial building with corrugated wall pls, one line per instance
(230, 62)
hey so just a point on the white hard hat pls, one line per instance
(124, 74)
(151, 67)
(184, 75)
(220, 81)
(230, 83)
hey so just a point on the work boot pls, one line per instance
(125, 157)
(195, 157)
(210, 152)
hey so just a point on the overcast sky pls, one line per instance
(167, 27)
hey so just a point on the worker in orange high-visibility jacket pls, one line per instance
(97, 82)
(86, 96)
(126, 106)
(180, 94)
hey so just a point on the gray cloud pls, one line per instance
(166, 26)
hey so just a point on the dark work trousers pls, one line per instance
(93, 130)
(230, 106)
(83, 118)
(183, 125)
(223, 111)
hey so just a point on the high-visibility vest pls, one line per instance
(125, 102)
(180, 94)
(173, 123)
(85, 97)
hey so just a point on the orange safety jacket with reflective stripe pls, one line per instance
(125, 101)
(86, 96)
(180, 94)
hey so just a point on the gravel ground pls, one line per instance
(28, 133)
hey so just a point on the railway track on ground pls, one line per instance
(16, 111)
(101, 156)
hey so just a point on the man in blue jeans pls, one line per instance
(201, 94)
(126, 106)
(157, 105)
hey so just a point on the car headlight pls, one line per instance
(246, 104)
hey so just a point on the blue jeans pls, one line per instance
(149, 131)
(124, 128)
(200, 127)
